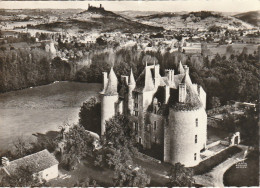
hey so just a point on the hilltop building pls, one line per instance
(93, 8)
(167, 111)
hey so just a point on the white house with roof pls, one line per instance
(42, 164)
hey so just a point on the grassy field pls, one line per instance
(41, 109)
(248, 176)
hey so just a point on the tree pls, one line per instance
(23, 177)
(119, 150)
(77, 145)
(181, 176)
(119, 134)
(90, 115)
(126, 175)
(215, 102)
(21, 147)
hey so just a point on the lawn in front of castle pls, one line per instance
(104, 176)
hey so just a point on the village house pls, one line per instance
(42, 164)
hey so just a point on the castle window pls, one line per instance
(136, 126)
(196, 139)
(197, 122)
(195, 156)
(136, 95)
(136, 113)
(140, 140)
(155, 139)
(155, 125)
(136, 105)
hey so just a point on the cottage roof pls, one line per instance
(112, 84)
(35, 162)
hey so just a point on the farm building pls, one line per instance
(42, 164)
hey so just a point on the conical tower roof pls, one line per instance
(192, 100)
(131, 79)
(186, 79)
(112, 83)
(180, 68)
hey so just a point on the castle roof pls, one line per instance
(35, 162)
(145, 81)
(131, 79)
(180, 68)
(111, 88)
(192, 101)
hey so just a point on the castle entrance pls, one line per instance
(235, 139)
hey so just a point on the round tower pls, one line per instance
(186, 132)
(188, 136)
(109, 99)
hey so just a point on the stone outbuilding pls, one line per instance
(42, 164)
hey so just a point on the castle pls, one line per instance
(168, 111)
(93, 8)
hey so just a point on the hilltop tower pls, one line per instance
(109, 98)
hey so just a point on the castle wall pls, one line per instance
(147, 99)
(154, 130)
(182, 128)
(108, 108)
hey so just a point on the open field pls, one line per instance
(41, 109)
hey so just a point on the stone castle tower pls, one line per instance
(167, 112)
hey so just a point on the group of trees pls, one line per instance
(22, 68)
(224, 78)
(118, 150)
(76, 145)
(90, 115)
(22, 178)
(246, 124)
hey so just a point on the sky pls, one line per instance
(168, 6)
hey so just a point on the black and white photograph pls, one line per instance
(129, 93)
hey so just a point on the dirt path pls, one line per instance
(214, 178)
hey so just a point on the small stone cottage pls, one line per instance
(42, 164)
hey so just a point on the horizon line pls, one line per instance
(142, 6)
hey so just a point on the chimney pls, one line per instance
(186, 68)
(124, 79)
(170, 75)
(167, 94)
(182, 92)
(100, 6)
(156, 75)
(104, 80)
